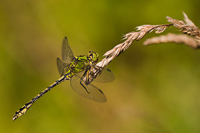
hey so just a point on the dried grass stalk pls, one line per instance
(118, 49)
(174, 38)
(186, 28)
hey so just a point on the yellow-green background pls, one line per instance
(156, 88)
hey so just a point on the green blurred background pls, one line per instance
(156, 88)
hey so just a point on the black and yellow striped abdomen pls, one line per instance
(25, 107)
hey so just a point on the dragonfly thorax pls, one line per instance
(79, 64)
(82, 63)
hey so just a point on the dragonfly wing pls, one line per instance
(67, 54)
(62, 67)
(89, 91)
(105, 76)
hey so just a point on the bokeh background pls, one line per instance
(156, 88)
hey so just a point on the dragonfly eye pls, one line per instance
(93, 56)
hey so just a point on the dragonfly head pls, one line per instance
(93, 56)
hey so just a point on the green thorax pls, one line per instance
(81, 63)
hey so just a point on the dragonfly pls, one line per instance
(75, 69)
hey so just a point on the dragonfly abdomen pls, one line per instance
(25, 107)
(50, 87)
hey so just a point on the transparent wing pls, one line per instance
(67, 54)
(105, 76)
(67, 57)
(89, 91)
(62, 67)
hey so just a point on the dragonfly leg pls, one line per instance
(86, 75)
